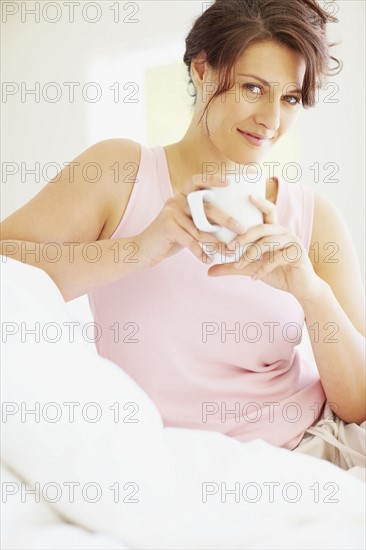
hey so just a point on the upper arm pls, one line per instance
(334, 259)
(73, 207)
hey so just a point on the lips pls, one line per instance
(253, 134)
(254, 139)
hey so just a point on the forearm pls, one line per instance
(78, 268)
(339, 351)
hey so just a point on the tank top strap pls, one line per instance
(149, 193)
(162, 171)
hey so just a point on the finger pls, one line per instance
(220, 270)
(264, 248)
(192, 238)
(260, 231)
(187, 241)
(217, 216)
(183, 213)
(264, 268)
(290, 251)
(204, 237)
(266, 207)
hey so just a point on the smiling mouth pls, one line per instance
(254, 140)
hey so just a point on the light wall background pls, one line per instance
(141, 54)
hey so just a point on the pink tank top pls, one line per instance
(212, 353)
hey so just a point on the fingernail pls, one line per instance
(241, 228)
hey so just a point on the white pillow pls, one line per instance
(162, 474)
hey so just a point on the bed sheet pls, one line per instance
(140, 485)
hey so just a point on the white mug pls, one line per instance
(234, 200)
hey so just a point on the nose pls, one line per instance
(268, 114)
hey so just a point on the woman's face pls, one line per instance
(253, 106)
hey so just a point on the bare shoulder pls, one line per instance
(329, 231)
(79, 202)
(334, 258)
(119, 150)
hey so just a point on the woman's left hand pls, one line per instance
(276, 256)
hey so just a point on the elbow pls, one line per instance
(351, 413)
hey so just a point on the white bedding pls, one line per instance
(175, 475)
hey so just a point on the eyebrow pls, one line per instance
(265, 83)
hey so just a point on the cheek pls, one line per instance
(231, 108)
(288, 118)
(224, 115)
(221, 116)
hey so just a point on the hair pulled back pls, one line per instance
(224, 31)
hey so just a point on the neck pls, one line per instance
(198, 154)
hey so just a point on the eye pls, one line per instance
(249, 86)
(297, 100)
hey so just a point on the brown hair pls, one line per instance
(228, 27)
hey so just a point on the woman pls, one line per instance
(182, 330)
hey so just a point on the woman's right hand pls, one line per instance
(173, 229)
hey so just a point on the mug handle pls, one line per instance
(195, 202)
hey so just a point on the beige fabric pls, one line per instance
(332, 439)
